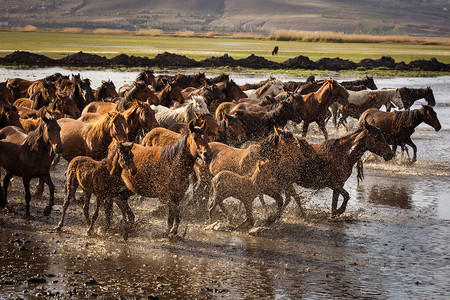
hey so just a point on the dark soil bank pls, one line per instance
(166, 59)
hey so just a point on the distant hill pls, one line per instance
(413, 17)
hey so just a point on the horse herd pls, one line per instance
(160, 134)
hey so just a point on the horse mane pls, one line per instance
(112, 159)
(261, 90)
(34, 138)
(170, 152)
(327, 145)
(141, 76)
(405, 118)
(99, 128)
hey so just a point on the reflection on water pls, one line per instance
(390, 195)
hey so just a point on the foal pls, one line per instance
(103, 178)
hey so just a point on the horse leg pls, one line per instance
(248, 212)
(6, 181)
(124, 210)
(86, 199)
(322, 127)
(26, 185)
(39, 188)
(124, 195)
(261, 200)
(345, 194)
(413, 146)
(99, 200)
(173, 221)
(108, 212)
(279, 200)
(305, 128)
(290, 192)
(51, 201)
(70, 190)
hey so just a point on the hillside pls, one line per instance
(413, 17)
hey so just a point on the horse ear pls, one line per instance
(277, 131)
(191, 126)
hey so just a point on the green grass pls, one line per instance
(58, 45)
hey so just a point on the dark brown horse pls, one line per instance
(163, 172)
(205, 121)
(29, 156)
(169, 95)
(231, 90)
(9, 116)
(332, 163)
(231, 131)
(101, 178)
(140, 91)
(398, 126)
(6, 95)
(106, 92)
(410, 95)
(258, 125)
(147, 76)
(93, 138)
(79, 90)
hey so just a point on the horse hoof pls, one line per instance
(47, 210)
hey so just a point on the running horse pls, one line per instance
(313, 107)
(331, 163)
(163, 172)
(398, 126)
(29, 156)
(92, 138)
(410, 95)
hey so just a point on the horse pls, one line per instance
(166, 116)
(231, 90)
(231, 131)
(410, 95)
(169, 95)
(313, 107)
(79, 90)
(212, 94)
(275, 50)
(29, 156)
(6, 95)
(99, 107)
(355, 111)
(101, 178)
(219, 78)
(146, 76)
(140, 91)
(332, 163)
(106, 92)
(398, 126)
(92, 138)
(205, 121)
(258, 125)
(386, 97)
(254, 86)
(163, 172)
(367, 81)
(271, 88)
(243, 187)
(9, 116)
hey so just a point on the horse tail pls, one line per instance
(360, 170)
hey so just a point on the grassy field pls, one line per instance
(58, 45)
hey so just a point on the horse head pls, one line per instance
(337, 90)
(429, 96)
(52, 133)
(65, 105)
(375, 142)
(126, 157)
(207, 123)
(197, 142)
(147, 119)
(199, 105)
(370, 83)
(430, 117)
(235, 133)
(118, 128)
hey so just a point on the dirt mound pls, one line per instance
(299, 62)
(429, 65)
(84, 59)
(220, 61)
(174, 60)
(385, 61)
(131, 61)
(257, 62)
(335, 64)
(28, 58)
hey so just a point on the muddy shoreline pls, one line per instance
(166, 59)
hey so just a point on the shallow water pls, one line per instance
(392, 242)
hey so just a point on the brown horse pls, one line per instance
(332, 163)
(93, 138)
(47, 89)
(410, 95)
(9, 116)
(99, 107)
(243, 187)
(106, 92)
(313, 107)
(101, 178)
(79, 90)
(231, 131)
(205, 121)
(258, 125)
(6, 95)
(169, 95)
(29, 156)
(398, 126)
(140, 91)
(355, 110)
(164, 171)
(231, 90)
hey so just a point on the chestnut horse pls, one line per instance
(102, 178)
(29, 156)
(398, 126)
(93, 138)
(163, 172)
(140, 91)
(314, 106)
(205, 121)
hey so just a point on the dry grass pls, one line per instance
(185, 33)
(72, 30)
(150, 32)
(109, 31)
(328, 36)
